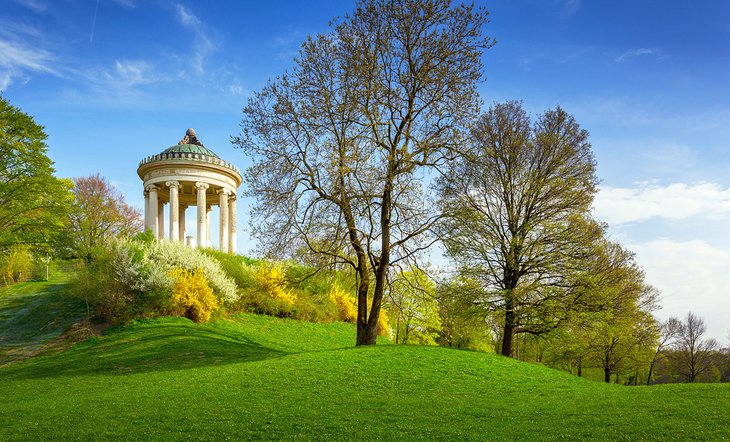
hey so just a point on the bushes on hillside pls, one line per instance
(192, 297)
(137, 279)
(172, 255)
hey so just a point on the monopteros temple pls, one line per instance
(184, 175)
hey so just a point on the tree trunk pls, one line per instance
(580, 371)
(607, 375)
(509, 330)
(651, 370)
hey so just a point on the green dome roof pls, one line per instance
(190, 148)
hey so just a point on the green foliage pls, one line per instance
(16, 264)
(412, 300)
(122, 283)
(33, 203)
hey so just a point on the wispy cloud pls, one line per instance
(17, 59)
(640, 52)
(130, 4)
(34, 5)
(570, 7)
(203, 46)
(123, 77)
(621, 205)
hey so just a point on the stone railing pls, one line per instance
(189, 157)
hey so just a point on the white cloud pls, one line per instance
(16, 59)
(126, 3)
(186, 17)
(654, 52)
(570, 7)
(203, 46)
(619, 205)
(692, 275)
(34, 5)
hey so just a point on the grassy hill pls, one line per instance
(262, 377)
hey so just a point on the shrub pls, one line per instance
(383, 327)
(270, 279)
(122, 284)
(192, 297)
(171, 255)
(240, 268)
(346, 305)
(16, 264)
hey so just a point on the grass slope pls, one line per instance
(262, 377)
(34, 313)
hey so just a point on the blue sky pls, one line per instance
(116, 80)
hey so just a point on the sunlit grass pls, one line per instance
(262, 377)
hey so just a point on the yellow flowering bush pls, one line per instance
(383, 320)
(270, 279)
(346, 305)
(192, 297)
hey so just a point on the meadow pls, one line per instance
(252, 376)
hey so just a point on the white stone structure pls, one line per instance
(184, 175)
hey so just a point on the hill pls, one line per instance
(261, 377)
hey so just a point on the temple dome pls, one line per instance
(190, 148)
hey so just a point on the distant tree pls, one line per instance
(519, 200)
(340, 144)
(411, 301)
(696, 353)
(99, 214)
(33, 202)
(669, 331)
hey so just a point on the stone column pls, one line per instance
(207, 221)
(232, 224)
(183, 208)
(201, 188)
(223, 228)
(146, 209)
(152, 210)
(161, 220)
(174, 211)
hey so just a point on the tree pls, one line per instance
(697, 354)
(33, 202)
(99, 214)
(519, 201)
(412, 303)
(669, 332)
(340, 144)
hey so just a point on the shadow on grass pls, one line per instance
(32, 314)
(141, 349)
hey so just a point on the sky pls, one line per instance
(114, 81)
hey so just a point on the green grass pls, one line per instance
(34, 313)
(269, 378)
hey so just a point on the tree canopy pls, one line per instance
(518, 201)
(33, 202)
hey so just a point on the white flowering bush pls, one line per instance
(121, 283)
(175, 255)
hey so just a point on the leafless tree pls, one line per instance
(696, 353)
(669, 331)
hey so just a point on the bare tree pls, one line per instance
(669, 331)
(341, 144)
(519, 202)
(696, 353)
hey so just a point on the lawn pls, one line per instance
(261, 377)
